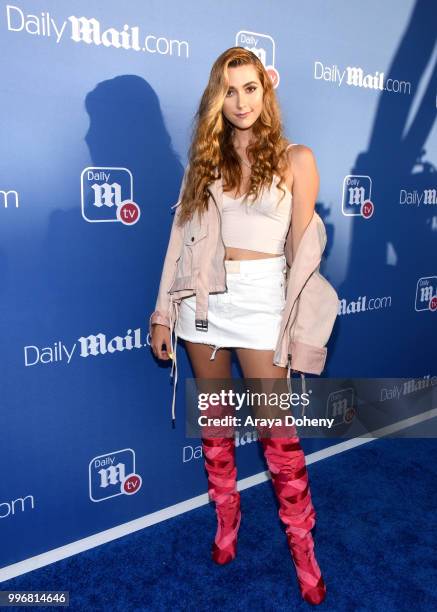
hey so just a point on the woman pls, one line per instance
(227, 266)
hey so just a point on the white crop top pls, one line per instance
(258, 226)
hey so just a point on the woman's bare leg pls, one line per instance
(259, 364)
(203, 367)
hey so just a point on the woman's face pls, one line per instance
(244, 98)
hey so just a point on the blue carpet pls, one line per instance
(375, 542)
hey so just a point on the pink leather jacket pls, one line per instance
(194, 264)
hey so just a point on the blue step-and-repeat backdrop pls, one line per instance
(96, 108)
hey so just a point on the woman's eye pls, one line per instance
(250, 89)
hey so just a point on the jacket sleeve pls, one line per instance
(317, 310)
(161, 313)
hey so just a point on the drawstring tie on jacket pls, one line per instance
(173, 349)
(302, 376)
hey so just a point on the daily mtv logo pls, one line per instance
(426, 294)
(357, 192)
(107, 195)
(263, 46)
(113, 474)
(340, 406)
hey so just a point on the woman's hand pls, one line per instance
(160, 336)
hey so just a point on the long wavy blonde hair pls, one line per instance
(212, 154)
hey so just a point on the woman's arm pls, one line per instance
(305, 187)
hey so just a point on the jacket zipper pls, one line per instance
(221, 235)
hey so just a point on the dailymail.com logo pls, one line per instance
(107, 195)
(113, 474)
(357, 194)
(263, 46)
(426, 294)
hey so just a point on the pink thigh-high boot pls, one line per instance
(286, 461)
(219, 455)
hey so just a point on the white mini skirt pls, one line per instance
(248, 314)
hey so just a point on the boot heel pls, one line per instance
(311, 583)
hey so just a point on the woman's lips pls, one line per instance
(243, 115)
